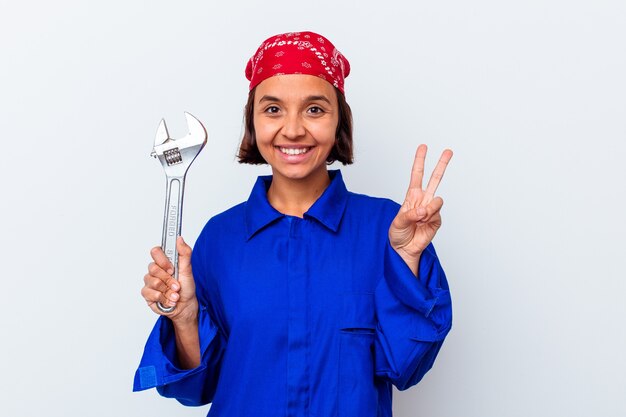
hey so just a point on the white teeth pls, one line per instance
(292, 151)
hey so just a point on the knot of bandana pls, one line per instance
(298, 53)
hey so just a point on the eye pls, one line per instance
(315, 110)
(272, 109)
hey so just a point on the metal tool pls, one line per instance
(176, 156)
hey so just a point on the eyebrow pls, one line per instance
(309, 98)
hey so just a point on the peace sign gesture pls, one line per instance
(419, 218)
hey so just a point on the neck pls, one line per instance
(295, 197)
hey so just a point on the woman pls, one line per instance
(306, 299)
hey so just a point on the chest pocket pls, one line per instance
(357, 394)
(358, 314)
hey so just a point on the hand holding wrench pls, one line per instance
(176, 156)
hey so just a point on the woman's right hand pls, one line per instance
(160, 285)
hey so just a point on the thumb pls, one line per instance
(184, 256)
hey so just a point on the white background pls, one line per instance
(531, 95)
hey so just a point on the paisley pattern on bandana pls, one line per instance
(298, 53)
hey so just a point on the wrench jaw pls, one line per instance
(196, 130)
(176, 156)
(162, 135)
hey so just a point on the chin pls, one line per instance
(298, 173)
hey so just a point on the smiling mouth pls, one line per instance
(294, 151)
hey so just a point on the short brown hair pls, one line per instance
(341, 151)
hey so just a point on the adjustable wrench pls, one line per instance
(176, 156)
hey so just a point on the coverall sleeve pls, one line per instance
(159, 366)
(414, 315)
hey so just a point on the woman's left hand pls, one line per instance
(419, 218)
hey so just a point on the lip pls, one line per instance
(295, 158)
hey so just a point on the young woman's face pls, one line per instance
(295, 121)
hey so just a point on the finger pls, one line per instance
(410, 217)
(432, 209)
(417, 172)
(184, 256)
(161, 259)
(170, 298)
(414, 197)
(152, 296)
(167, 299)
(163, 304)
(155, 283)
(156, 272)
(436, 176)
(422, 214)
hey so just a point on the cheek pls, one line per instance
(326, 133)
(264, 132)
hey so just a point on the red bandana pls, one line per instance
(298, 53)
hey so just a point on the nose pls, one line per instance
(293, 127)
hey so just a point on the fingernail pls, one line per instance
(175, 287)
(170, 271)
(174, 296)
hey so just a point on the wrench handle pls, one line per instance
(172, 219)
(172, 223)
